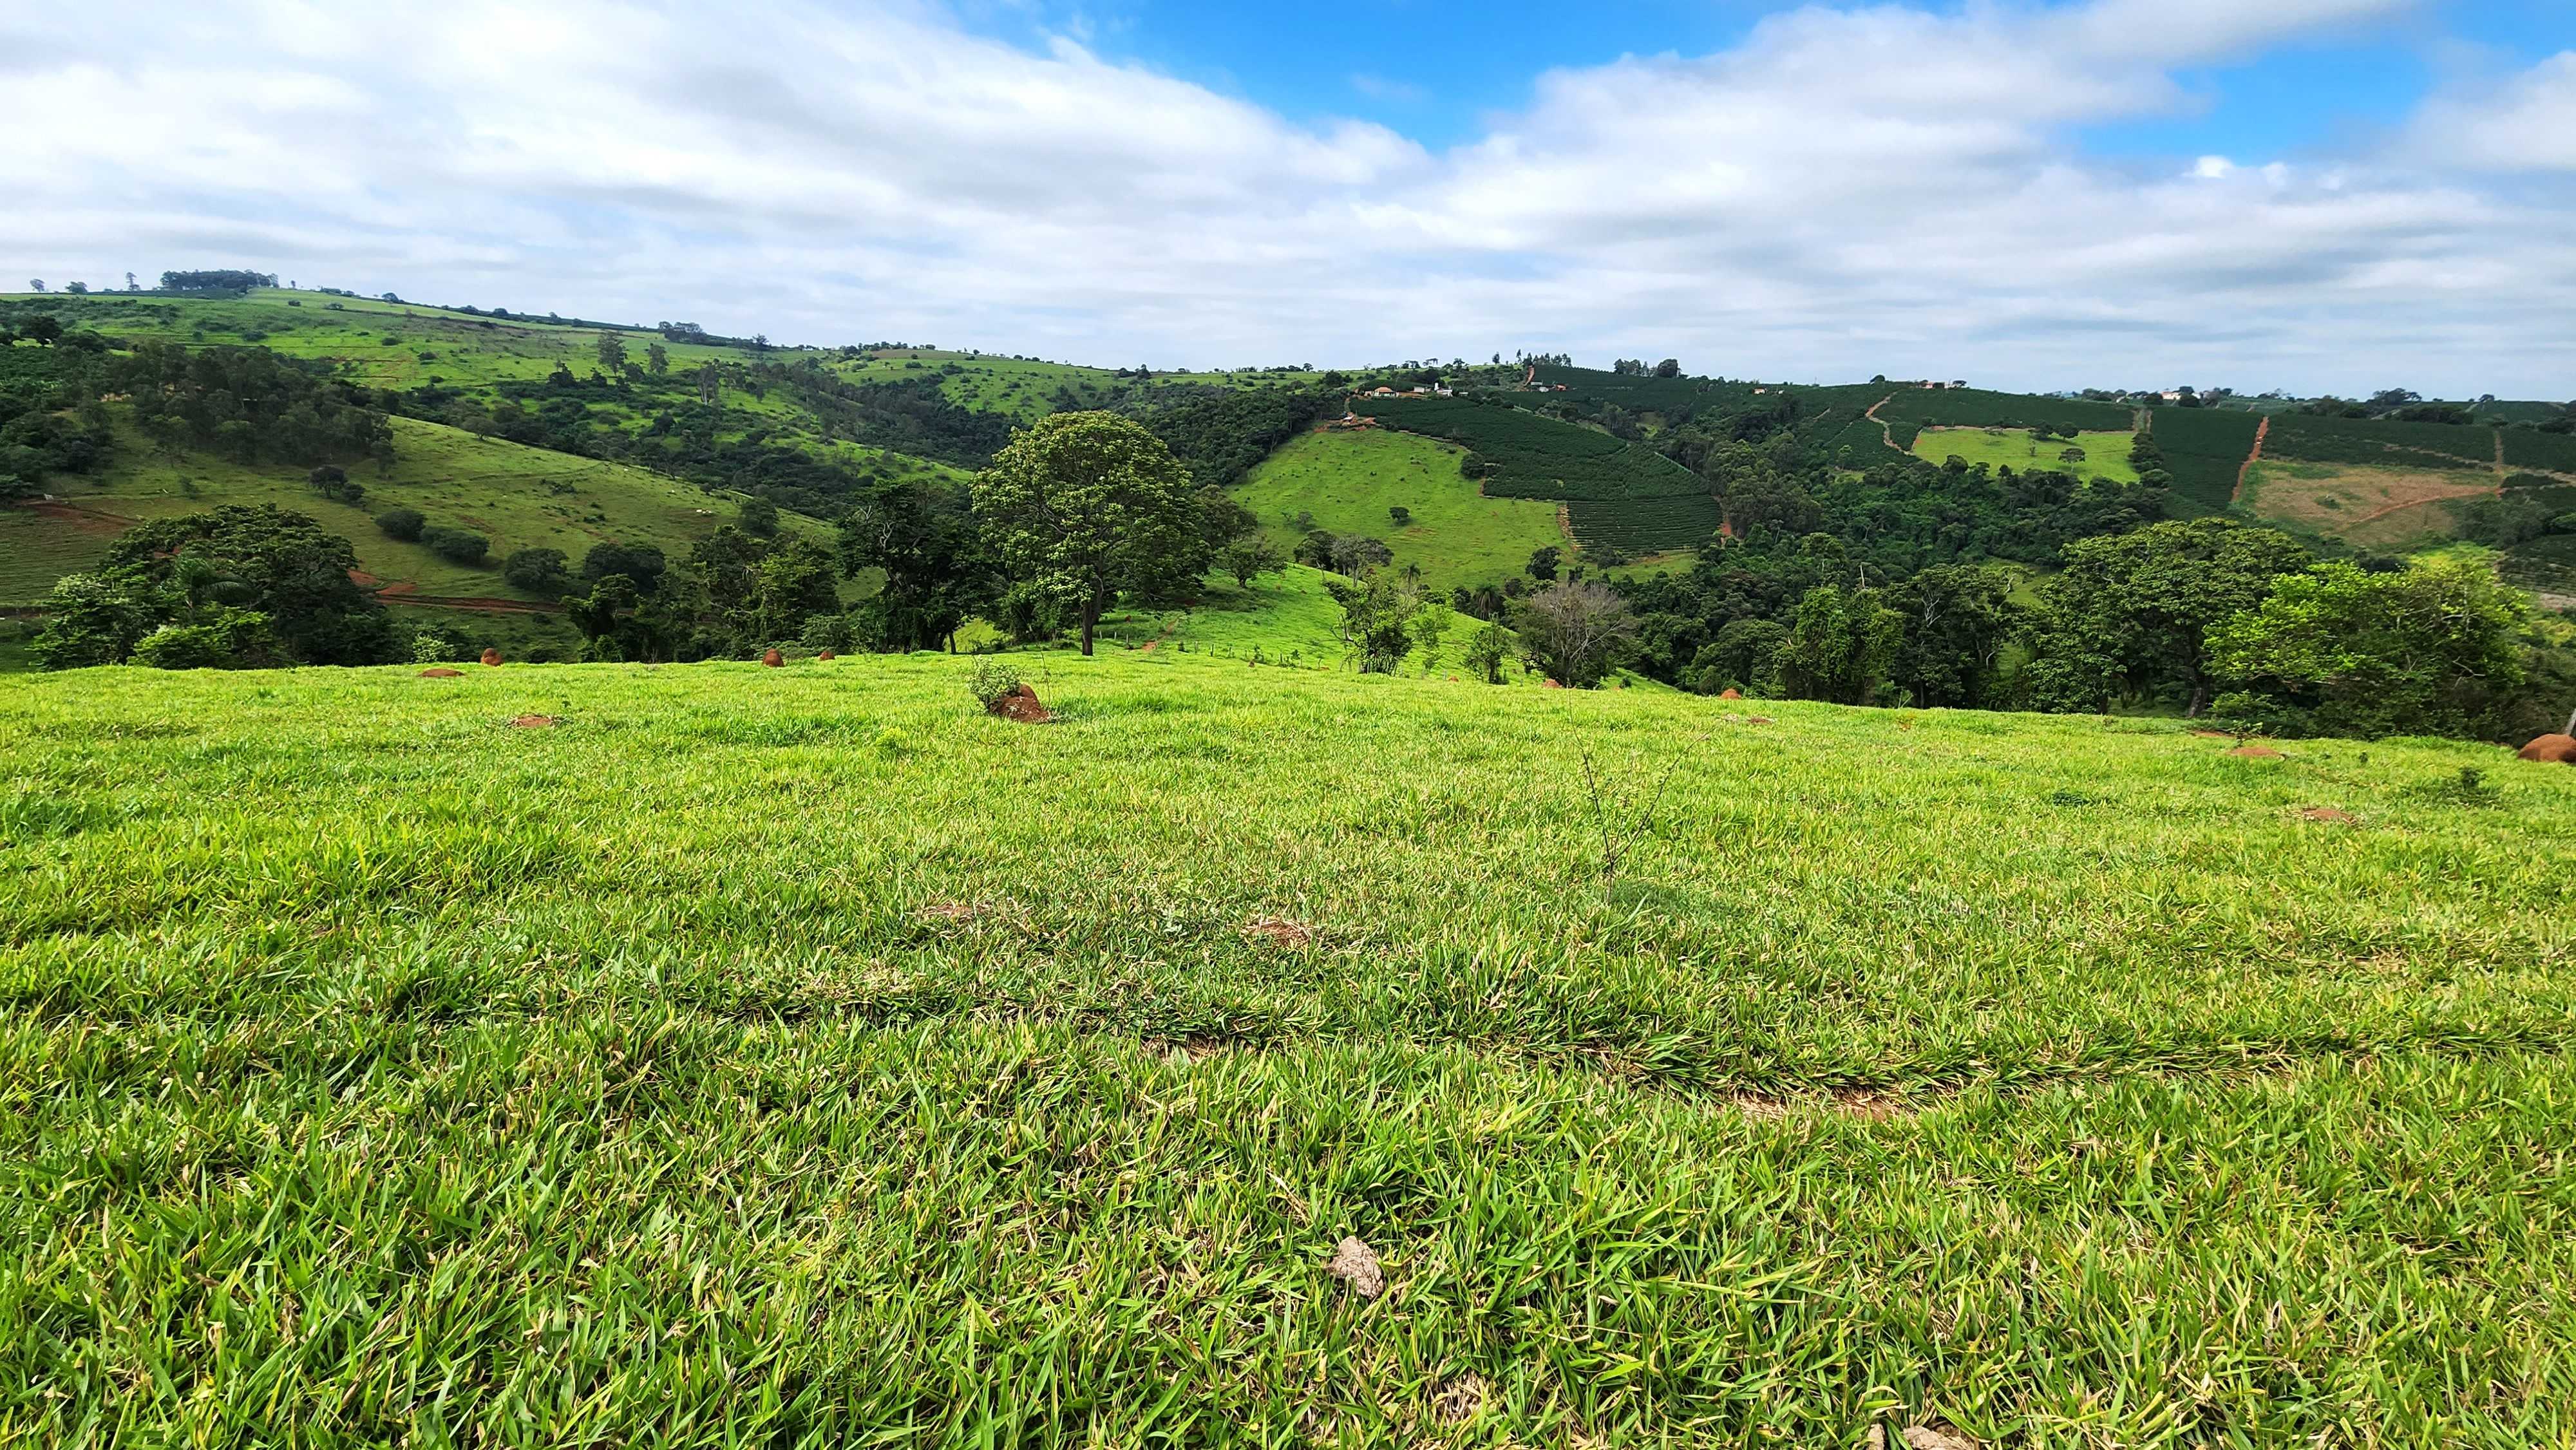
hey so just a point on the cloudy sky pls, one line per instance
(2313, 194)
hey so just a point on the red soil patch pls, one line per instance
(2262, 431)
(491, 657)
(953, 912)
(1020, 704)
(398, 588)
(2551, 750)
(773, 659)
(2255, 752)
(2330, 816)
(88, 521)
(1550, 685)
(535, 722)
(2213, 735)
(1757, 720)
(1280, 932)
(1147, 647)
(442, 674)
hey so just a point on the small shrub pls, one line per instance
(464, 546)
(403, 524)
(993, 679)
(436, 647)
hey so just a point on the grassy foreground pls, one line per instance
(800, 1057)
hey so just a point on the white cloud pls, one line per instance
(2519, 123)
(1845, 192)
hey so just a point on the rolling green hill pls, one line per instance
(518, 497)
(1346, 481)
(1620, 495)
(801, 1056)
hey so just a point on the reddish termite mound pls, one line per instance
(491, 657)
(2552, 750)
(1730, 694)
(442, 673)
(827, 655)
(773, 659)
(1020, 704)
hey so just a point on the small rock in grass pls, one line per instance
(1356, 1265)
(1924, 1437)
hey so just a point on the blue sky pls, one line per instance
(1435, 71)
(2317, 195)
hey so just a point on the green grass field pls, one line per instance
(800, 1057)
(1347, 482)
(516, 496)
(2106, 455)
(382, 343)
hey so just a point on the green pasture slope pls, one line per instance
(1347, 482)
(1624, 495)
(801, 1057)
(518, 497)
(2106, 455)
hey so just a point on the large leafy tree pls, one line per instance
(1085, 506)
(2129, 616)
(1958, 618)
(922, 538)
(219, 565)
(1841, 645)
(2433, 649)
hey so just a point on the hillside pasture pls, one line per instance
(2106, 455)
(1346, 481)
(2376, 508)
(378, 344)
(800, 1056)
(1620, 494)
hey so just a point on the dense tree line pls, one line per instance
(234, 587)
(1221, 437)
(251, 405)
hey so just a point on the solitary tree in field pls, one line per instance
(1576, 632)
(612, 352)
(657, 359)
(35, 284)
(1082, 506)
